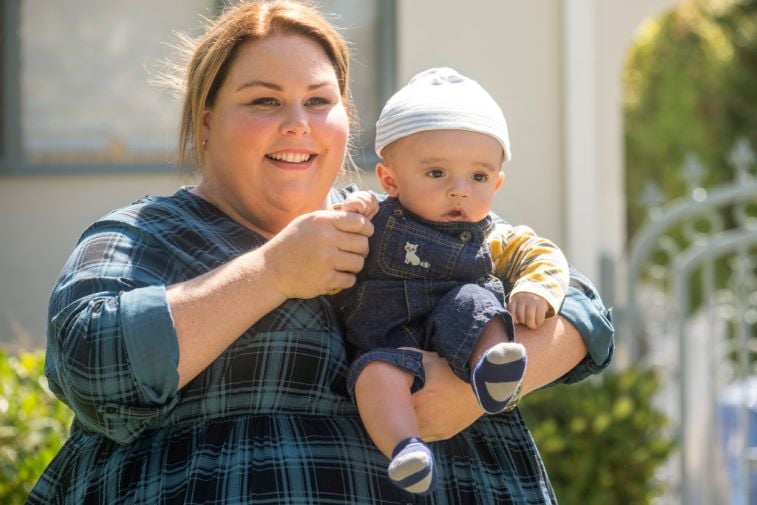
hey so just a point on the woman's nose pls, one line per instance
(295, 122)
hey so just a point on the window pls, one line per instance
(78, 76)
(5, 84)
(2, 83)
(85, 91)
(369, 28)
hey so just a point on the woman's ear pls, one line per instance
(386, 179)
(206, 116)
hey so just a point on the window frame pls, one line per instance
(9, 120)
(387, 71)
(12, 157)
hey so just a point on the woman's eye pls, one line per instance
(265, 102)
(435, 173)
(318, 101)
(480, 177)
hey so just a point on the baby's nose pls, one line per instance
(459, 191)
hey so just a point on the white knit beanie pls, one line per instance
(441, 99)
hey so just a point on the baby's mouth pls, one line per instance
(454, 214)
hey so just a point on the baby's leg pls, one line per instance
(497, 367)
(382, 392)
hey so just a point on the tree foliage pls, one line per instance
(690, 87)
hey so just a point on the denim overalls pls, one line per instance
(426, 285)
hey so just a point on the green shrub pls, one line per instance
(33, 424)
(602, 440)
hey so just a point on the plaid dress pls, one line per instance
(269, 421)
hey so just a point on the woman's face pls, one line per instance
(276, 133)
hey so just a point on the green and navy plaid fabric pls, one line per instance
(269, 422)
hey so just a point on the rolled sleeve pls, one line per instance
(114, 362)
(151, 343)
(112, 349)
(584, 309)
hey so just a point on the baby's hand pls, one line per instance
(528, 309)
(362, 202)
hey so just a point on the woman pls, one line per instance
(188, 335)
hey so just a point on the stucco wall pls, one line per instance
(510, 48)
(517, 50)
(40, 220)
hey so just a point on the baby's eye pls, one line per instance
(480, 177)
(435, 173)
(266, 101)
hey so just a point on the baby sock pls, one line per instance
(412, 467)
(497, 375)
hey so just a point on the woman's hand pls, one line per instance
(445, 405)
(318, 252)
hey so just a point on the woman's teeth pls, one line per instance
(290, 157)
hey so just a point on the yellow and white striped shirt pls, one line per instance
(529, 263)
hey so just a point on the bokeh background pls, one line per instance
(633, 126)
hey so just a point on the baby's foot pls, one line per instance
(497, 375)
(412, 467)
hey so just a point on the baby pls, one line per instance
(432, 277)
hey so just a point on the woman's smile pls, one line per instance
(291, 157)
(276, 133)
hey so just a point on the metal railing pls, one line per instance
(692, 312)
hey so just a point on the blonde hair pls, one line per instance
(212, 54)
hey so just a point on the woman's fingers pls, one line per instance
(351, 243)
(319, 252)
(348, 262)
(352, 222)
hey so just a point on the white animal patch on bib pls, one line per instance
(411, 258)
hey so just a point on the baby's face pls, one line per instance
(443, 175)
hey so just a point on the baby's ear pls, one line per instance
(386, 179)
(500, 180)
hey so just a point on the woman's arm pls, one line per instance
(120, 343)
(315, 253)
(569, 348)
(446, 405)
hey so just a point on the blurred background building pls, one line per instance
(85, 128)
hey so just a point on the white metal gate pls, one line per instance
(692, 313)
